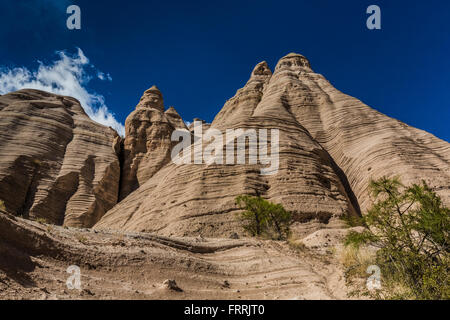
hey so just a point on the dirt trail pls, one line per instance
(34, 258)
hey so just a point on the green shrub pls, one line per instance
(410, 226)
(81, 238)
(41, 220)
(263, 218)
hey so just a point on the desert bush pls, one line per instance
(295, 243)
(41, 220)
(356, 259)
(81, 238)
(263, 218)
(410, 226)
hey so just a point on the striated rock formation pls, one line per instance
(147, 144)
(363, 142)
(58, 164)
(55, 163)
(331, 145)
(191, 199)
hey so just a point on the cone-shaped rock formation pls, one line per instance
(147, 144)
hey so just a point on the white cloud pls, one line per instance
(103, 76)
(67, 76)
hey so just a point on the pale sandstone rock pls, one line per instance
(331, 145)
(147, 145)
(200, 199)
(210, 269)
(363, 142)
(55, 162)
(174, 118)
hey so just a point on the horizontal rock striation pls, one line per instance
(364, 143)
(193, 199)
(55, 162)
(58, 164)
(330, 145)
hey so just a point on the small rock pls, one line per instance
(226, 284)
(234, 235)
(171, 285)
(44, 289)
(87, 292)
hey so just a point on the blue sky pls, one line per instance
(200, 52)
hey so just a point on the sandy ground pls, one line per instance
(34, 259)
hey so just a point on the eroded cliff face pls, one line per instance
(330, 144)
(363, 142)
(55, 162)
(58, 164)
(147, 145)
